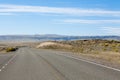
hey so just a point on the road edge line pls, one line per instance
(91, 62)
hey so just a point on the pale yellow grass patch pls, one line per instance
(44, 44)
(109, 56)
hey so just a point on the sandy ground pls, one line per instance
(43, 44)
(46, 44)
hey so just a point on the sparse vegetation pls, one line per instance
(90, 46)
(87, 46)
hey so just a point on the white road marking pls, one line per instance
(8, 62)
(90, 62)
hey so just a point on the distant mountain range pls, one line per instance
(53, 37)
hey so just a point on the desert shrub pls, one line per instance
(115, 50)
(10, 49)
(106, 44)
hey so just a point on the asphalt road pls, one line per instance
(33, 64)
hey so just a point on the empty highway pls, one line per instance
(34, 64)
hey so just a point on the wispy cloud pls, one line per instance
(57, 10)
(112, 30)
(6, 14)
(89, 21)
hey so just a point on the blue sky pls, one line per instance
(64, 17)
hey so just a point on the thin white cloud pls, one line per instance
(112, 30)
(6, 14)
(89, 21)
(57, 10)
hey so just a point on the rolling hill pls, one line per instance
(53, 37)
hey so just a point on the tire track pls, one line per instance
(57, 73)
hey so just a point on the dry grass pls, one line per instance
(54, 45)
(112, 57)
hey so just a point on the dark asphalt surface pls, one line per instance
(34, 64)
